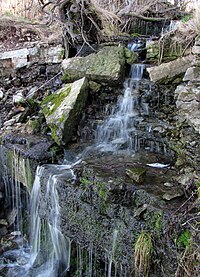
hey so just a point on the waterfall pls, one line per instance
(58, 252)
(119, 129)
(48, 254)
(115, 233)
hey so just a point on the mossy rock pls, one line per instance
(62, 109)
(137, 174)
(105, 67)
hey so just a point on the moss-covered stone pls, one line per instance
(165, 50)
(53, 101)
(106, 66)
(137, 174)
(63, 109)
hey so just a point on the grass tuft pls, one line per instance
(142, 254)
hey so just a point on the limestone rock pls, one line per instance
(43, 53)
(170, 51)
(152, 50)
(167, 72)
(192, 74)
(136, 174)
(63, 109)
(106, 66)
(3, 222)
(188, 103)
(196, 50)
(174, 193)
(3, 231)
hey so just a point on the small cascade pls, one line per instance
(16, 194)
(111, 257)
(58, 251)
(48, 254)
(117, 132)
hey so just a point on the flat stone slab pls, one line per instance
(168, 71)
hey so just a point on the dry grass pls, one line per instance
(142, 254)
(23, 8)
(189, 261)
(196, 17)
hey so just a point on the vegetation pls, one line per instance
(184, 239)
(142, 254)
(89, 20)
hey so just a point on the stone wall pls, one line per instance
(188, 104)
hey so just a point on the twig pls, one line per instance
(185, 202)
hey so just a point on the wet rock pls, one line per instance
(167, 72)
(11, 216)
(107, 66)
(168, 184)
(29, 146)
(136, 174)
(192, 74)
(1, 195)
(3, 231)
(18, 97)
(140, 210)
(62, 109)
(3, 222)
(188, 98)
(174, 193)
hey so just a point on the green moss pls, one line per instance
(54, 130)
(184, 239)
(157, 221)
(186, 18)
(53, 101)
(62, 119)
(62, 53)
(65, 78)
(137, 174)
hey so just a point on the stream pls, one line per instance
(125, 139)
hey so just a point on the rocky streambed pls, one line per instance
(124, 212)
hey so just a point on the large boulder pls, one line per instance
(62, 109)
(167, 72)
(106, 66)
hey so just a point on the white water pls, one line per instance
(119, 129)
(46, 237)
(49, 252)
(111, 257)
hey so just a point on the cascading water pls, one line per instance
(57, 248)
(117, 132)
(49, 252)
